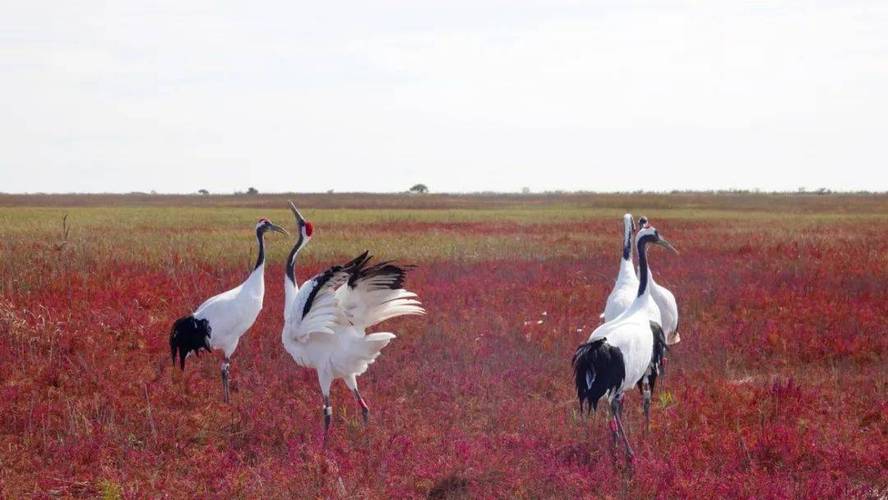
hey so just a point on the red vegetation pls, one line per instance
(778, 388)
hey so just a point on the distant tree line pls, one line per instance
(424, 189)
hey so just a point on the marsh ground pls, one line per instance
(778, 387)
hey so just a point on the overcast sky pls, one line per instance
(463, 95)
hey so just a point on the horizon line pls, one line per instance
(722, 191)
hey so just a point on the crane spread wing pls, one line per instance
(375, 294)
(316, 307)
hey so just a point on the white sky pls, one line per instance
(462, 95)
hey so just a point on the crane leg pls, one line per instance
(615, 436)
(326, 379)
(352, 383)
(328, 416)
(364, 410)
(225, 370)
(646, 392)
(617, 411)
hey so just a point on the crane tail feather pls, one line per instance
(599, 369)
(188, 335)
(658, 354)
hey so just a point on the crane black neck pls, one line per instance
(260, 236)
(291, 259)
(627, 244)
(643, 263)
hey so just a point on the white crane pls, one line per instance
(325, 320)
(626, 286)
(221, 321)
(624, 352)
(665, 302)
(624, 293)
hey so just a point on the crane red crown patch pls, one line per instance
(309, 228)
(262, 220)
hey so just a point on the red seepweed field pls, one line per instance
(778, 388)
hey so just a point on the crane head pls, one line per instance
(264, 224)
(305, 227)
(642, 222)
(650, 234)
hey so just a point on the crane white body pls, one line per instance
(624, 292)
(626, 286)
(344, 354)
(221, 321)
(625, 351)
(665, 302)
(325, 320)
(332, 339)
(232, 313)
(630, 332)
(668, 309)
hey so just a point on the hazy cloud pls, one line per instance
(358, 96)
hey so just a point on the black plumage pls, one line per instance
(358, 262)
(334, 277)
(660, 348)
(392, 275)
(659, 352)
(189, 334)
(598, 368)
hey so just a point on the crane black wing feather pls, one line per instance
(381, 276)
(376, 293)
(333, 278)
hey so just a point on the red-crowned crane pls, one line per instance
(665, 302)
(624, 293)
(625, 351)
(626, 286)
(222, 320)
(325, 319)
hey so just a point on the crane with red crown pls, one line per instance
(665, 301)
(623, 293)
(325, 320)
(222, 320)
(625, 351)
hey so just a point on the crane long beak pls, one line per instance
(278, 229)
(666, 244)
(299, 218)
